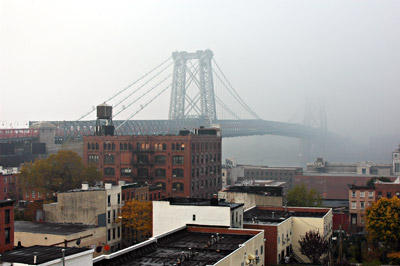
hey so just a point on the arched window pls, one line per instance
(177, 160)
(160, 173)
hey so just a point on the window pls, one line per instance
(177, 187)
(397, 167)
(362, 204)
(109, 234)
(194, 217)
(109, 200)
(261, 250)
(143, 172)
(177, 172)
(379, 194)
(7, 217)
(177, 160)
(389, 195)
(114, 216)
(119, 232)
(109, 158)
(7, 236)
(362, 194)
(353, 193)
(143, 159)
(370, 194)
(126, 171)
(33, 194)
(109, 217)
(160, 173)
(364, 171)
(164, 147)
(5, 179)
(109, 171)
(159, 159)
(160, 185)
(353, 205)
(119, 198)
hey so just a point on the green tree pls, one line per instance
(313, 246)
(300, 196)
(383, 224)
(58, 173)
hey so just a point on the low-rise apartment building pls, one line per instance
(171, 213)
(284, 227)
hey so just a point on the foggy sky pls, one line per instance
(60, 58)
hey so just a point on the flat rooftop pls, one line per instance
(43, 254)
(275, 215)
(201, 202)
(51, 228)
(259, 190)
(182, 247)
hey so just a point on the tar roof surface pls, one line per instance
(201, 202)
(277, 216)
(190, 248)
(43, 254)
(50, 228)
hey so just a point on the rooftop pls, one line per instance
(259, 190)
(183, 247)
(275, 215)
(201, 202)
(43, 254)
(50, 228)
(4, 203)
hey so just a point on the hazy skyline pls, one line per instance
(58, 59)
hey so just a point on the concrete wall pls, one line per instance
(77, 207)
(98, 236)
(301, 225)
(252, 247)
(168, 217)
(250, 200)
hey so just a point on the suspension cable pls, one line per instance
(127, 87)
(141, 96)
(226, 107)
(141, 86)
(242, 102)
(142, 107)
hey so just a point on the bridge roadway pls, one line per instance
(229, 128)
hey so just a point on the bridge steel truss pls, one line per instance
(229, 128)
(200, 74)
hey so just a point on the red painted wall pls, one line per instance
(270, 243)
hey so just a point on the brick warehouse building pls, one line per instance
(6, 225)
(185, 165)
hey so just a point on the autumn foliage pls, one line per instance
(137, 217)
(383, 223)
(58, 173)
(300, 196)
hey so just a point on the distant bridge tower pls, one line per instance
(314, 116)
(192, 94)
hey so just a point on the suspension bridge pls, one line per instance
(200, 95)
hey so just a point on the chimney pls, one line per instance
(85, 186)
(107, 185)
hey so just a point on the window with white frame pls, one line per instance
(362, 194)
(370, 194)
(354, 205)
(362, 204)
(353, 193)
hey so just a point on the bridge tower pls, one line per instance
(192, 71)
(314, 116)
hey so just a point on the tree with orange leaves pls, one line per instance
(137, 220)
(383, 224)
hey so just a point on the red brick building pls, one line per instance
(140, 192)
(185, 165)
(8, 184)
(362, 197)
(6, 225)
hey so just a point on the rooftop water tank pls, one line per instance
(104, 111)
